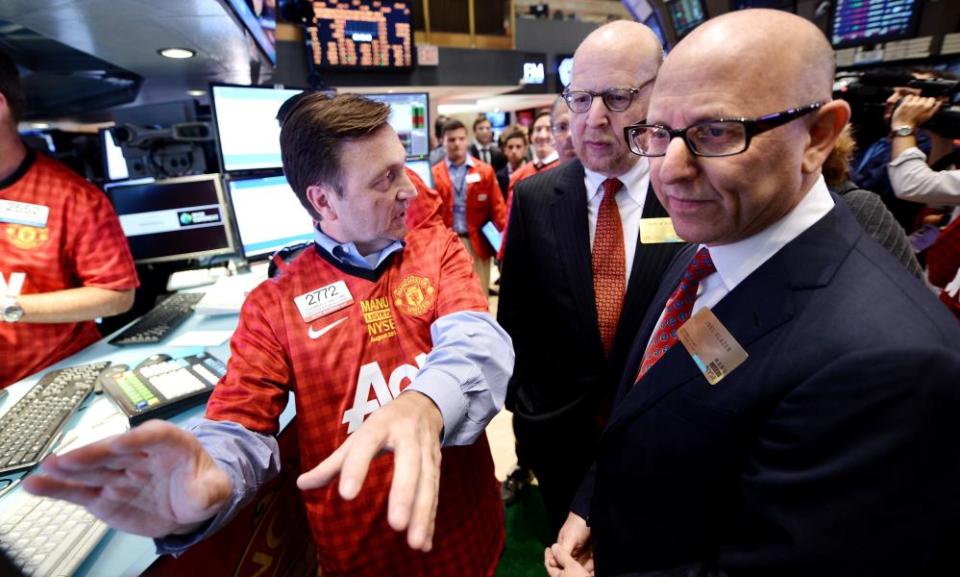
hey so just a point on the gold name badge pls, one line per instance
(657, 230)
(711, 345)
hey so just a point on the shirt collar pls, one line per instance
(347, 252)
(632, 180)
(468, 162)
(482, 146)
(736, 261)
(544, 161)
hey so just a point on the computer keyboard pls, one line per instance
(160, 321)
(29, 428)
(48, 538)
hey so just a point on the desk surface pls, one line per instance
(122, 554)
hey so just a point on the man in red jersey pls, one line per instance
(64, 260)
(383, 335)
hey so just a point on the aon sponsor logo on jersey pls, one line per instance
(371, 376)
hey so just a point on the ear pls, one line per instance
(319, 196)
(826, 128)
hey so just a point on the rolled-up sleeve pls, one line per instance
(466, 373)
(913, 180)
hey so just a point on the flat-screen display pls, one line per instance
(422, 168)
(114, 164)
(247, 129)
(686, 15)
(360, 34)
(175, 219)
(856, 22)
(653, 23)
(268, 215)
(409, 117)
(259, 17)
(786, 5)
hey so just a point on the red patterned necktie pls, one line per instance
(609, 264)
(677, 311)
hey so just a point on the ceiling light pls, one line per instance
(197, 92)
(177, 53)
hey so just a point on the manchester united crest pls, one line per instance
(27, 237)
(415, 295)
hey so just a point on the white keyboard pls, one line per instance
(186, 279)
(48, 537)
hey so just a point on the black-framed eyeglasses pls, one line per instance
(615, 99)
(711, 138)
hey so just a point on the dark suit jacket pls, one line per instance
(547, 303)
(830, 451)
(497, 159)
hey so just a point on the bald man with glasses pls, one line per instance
(576, 278)
(789, 407)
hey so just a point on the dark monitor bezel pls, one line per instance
(216, 128)
(793, 6)
(908, 33)
(673, 24)
(225, 210)
(429, 128)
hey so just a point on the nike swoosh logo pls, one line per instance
(317, 334)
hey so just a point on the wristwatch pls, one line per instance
(905, 130)
(10, 309)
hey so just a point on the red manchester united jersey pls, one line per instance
(347, 341)
(79, 244)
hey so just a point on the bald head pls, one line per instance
(621, 44)
(768, 49)
(616, 64)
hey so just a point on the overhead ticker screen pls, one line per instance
(870, 21)
(361, 34)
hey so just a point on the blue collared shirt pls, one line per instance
(458, 177)
(465, 375)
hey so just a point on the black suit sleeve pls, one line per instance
(515, 301)
(855, 471)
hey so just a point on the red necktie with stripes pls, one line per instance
(677, 311)
(609, 264)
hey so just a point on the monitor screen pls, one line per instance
(247, 130)
(114, 164)
(422, 168)
(174, 219)
(787, 5)
(870, 21)
(268, 215)
(409, 116)
(653, 23)
(259, 17)
(361, 34)
(686, 15)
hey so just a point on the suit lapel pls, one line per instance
(758, 305)
(569, 211)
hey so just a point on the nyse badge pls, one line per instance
(415, 295)
(27, 237)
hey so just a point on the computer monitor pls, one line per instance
(786, 5)
(686, 15)
(410, 117)
(114, 164)
(360, 35)
(653, 23)
(856, 22)
(175, 219)
(268, 215)
(248, 133)
(422, 168)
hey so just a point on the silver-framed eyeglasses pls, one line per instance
(615, 99)
(711, 138)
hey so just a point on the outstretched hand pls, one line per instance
(154, 480)
(410, 426)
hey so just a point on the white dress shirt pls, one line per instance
(736, 261)
(630, 201)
